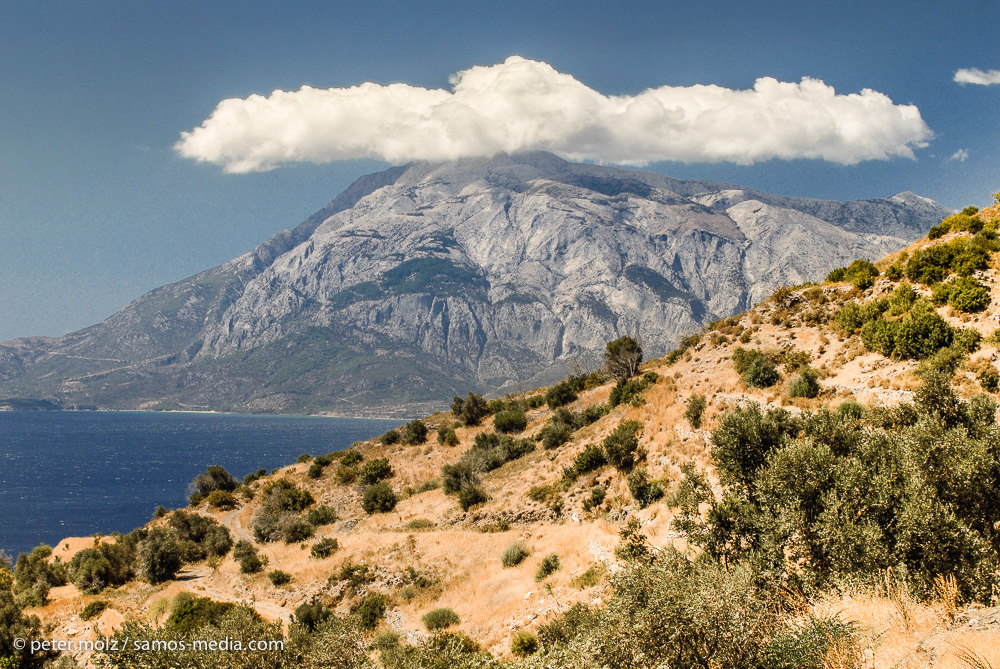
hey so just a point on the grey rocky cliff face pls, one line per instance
(549, 269)
(479, 274)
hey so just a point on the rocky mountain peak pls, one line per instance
(432, 279)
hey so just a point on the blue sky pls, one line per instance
(97, 206)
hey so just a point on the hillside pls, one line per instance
(842, 501)
(431, 279)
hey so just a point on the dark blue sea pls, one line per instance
(78, 473)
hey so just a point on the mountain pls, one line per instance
(429, 280)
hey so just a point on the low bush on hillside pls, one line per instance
(247, 555)
(214, 478)
(190, 612)
(471, 410)
(861, 273)
(440, 619)
(560, 394)
(222, 500)
(324, 548)
(694, 409)
(93, 609)
(414, 433)
(374, 471)
(379, 498)
(322, 515)
(548, 566)
(755, 368)
(596, 499)
(523, 643)
(629, 391)
(370, 610)
(514, 554)
(620, 446)
(471, 496)
(805, 384)
(642, 489)
(279, 577)
(511, 421)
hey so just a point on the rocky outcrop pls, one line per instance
(430, 279)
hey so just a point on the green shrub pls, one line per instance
(324, 548)
(510, 421)
(322, 515)
(620, 446)
(548, 565)
(254, 476)
(190, 613)
(158, 557)
(222, 500)
(694, 410)
(560, 394)
(853, 316)
(346, 474)
(350, 458)
(471, 496)
(755, 368)
(279, 578)
(921, 333)
(595, 500)
(805, 384)
(458, 476)
(514, 554)
(967, 339)
(861, 273)
(391, 437)
(214, 478)
(589, 578)
(315, 470)
(590, 459)
(419, 524)
(989, 379)
(524, 643)
(594, 413)
(471, 410)
(305, 457)
(311, 615)
(379, 498)
(286, 496)
(101, 566)
(555, 434)
(93, 609)
(644, 491)
(415, 432)
(248, 557)
(628, 391)
(371, 610)
(440, 619)
(374, 471)
(968, 295)
(447, 436)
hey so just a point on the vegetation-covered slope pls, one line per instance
(812, 483)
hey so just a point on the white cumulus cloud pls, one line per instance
(522, 104)
(961, 155)
(976, 76)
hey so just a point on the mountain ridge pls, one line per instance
(427, 278)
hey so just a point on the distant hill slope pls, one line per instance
(431, 279)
